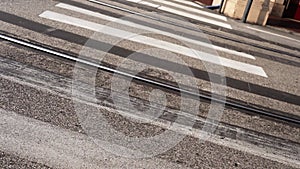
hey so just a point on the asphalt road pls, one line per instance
(60, 114)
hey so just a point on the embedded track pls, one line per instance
(148, 81)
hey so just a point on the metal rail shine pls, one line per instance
(47, 50)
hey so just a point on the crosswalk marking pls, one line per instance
(149, 4)
(154, 42)
(273, 34)
(186, 8)
(196, 17)
(181, 1)
(192, 16)
(132, 24)
(189, 3)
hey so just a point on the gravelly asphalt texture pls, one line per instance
(39, 104)
(8, 161)
(41, 127)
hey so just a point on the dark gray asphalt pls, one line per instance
(8, 161)
(43, 93)
(41, 127)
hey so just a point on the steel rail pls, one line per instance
(190, 28)
(47, 50)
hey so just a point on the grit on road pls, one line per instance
(176, 42)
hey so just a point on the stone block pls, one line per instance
(279, 2)
(216, 2)
(258, 13)
(277, 10)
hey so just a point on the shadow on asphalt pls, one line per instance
(286, 23)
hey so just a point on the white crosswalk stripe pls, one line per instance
(196, 17)
(180, 1)
(189, 3)
(183, 12)
(154, 42)
(149, 4)
(186, 8)
(259, 30)
(139, 26)
(145, 3)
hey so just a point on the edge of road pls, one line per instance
(296, 101)
(237, 24)
(256, 108)
(235, 138)
(267, 27)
